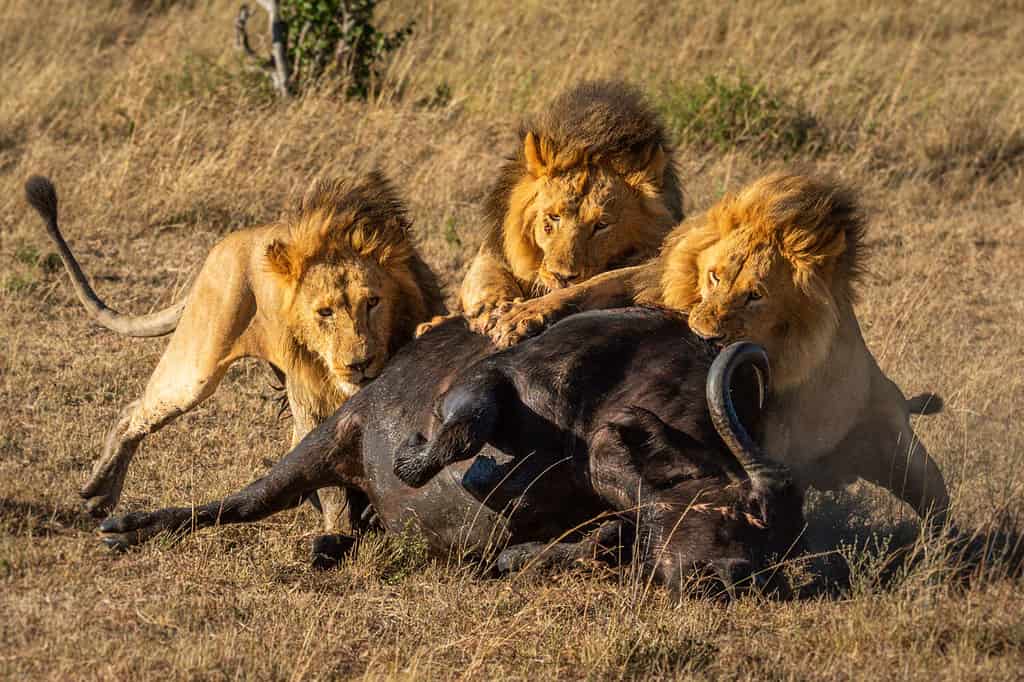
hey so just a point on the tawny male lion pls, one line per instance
(591, 186)
(325, 295)
(776, 264)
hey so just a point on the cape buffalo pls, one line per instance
(620, 415)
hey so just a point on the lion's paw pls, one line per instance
(520, 322)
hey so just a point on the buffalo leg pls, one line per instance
(611, 543)
(469, 413)
(325, 457)
(331, 548)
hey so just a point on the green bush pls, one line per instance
(338, 37)
(724, 114)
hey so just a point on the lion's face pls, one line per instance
(773, 265)
(743, 293)
(345, 313)
(585, 223)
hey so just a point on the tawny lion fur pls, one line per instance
(325, 295)
(777, 264)
(591, 187)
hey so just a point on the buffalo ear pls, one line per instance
(281, 261)
(661, 454)
(537, 155)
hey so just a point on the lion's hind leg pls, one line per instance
(209, 338)
(165, 399)
(902, 464)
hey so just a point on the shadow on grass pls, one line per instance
(850, 552)
(35, 519)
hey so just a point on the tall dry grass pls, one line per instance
(160, 144)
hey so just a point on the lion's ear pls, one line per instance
(281, 261)
(536, 153)
(649, 177)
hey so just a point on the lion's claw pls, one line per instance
(521, 321)
(435, 321)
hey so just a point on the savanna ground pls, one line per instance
(160, 143)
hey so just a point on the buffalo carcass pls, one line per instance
(610, 414)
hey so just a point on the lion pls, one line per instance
(325, 295)
(777, 264)
(591, 187)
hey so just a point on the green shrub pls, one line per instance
(724, 114)
(338, 36)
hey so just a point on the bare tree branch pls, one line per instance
(277, 66)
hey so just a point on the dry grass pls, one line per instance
(159, 146)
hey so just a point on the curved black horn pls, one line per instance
(762, 472)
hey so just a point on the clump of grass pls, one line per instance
(661, 651)
(16, 284)
(395, 557)
(724, 114)
(27, 254)
(974, 148)
(451, 235)
(200, 77)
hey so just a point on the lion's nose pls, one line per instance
(566, 278)
(710, 338)
(360, 365)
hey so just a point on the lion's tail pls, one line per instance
(43, 197)
(925, 403)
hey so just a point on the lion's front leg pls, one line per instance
(517, 320)
(488, 286)
(520, 321)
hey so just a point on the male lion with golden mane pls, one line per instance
(591, 187)
(776, 264)
(325, 295)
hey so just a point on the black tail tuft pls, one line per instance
(925, 403)
(40, 193)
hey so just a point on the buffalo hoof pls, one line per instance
(517, 557)
(121, 532)
(330, 550)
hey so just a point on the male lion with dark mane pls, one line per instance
(325, 295)
(776, 264)
(591, 187)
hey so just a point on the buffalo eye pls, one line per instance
(325, 312)
(754, 296)
(372, 302)
(712, 278)
(600, 225)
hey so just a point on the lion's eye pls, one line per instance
(372, 302)
(554, 217)
(754, 296)
(600, 225)
(712, 278)
(325, 312)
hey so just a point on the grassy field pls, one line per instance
(160, 143)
